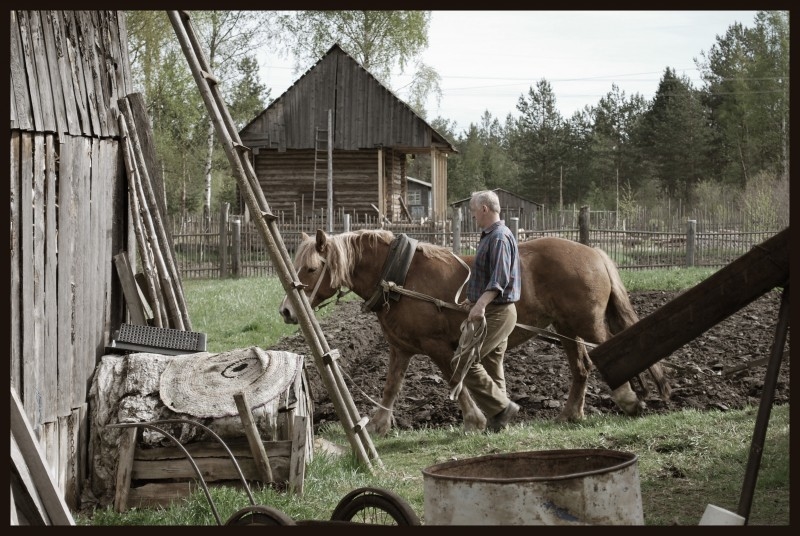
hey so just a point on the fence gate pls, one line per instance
(324, 358)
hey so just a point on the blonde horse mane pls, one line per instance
(343, 251)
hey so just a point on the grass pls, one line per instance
(686, 459)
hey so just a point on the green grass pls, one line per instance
(686, 459)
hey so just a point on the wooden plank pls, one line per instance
(94, 91)
(19, 84)
(126, 449)
(63, 99)
(33, 509)
(14, 518)
(82, 323)
(50, 288)
(654, 337)
(124, 82)
(48, 441)
(75, 456)
(212, 469)
(239, 447)
(22, 433)
(253, 437)
(99, 76)
(108, 152)
(15, 333)
(95, 262)
(297, 462)
(42, 74)
(130, 289)
(30, 370)
(67, 238)
(30, 69)
(72, 57)
(36, 348)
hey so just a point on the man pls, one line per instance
(493, 287)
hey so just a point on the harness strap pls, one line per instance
(388, 286)
(395, 268)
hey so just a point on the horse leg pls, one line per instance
(579, 366)
(381, 421)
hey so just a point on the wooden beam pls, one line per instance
(654, 337)
(297, 460)
(130, 289)
(253, 437)
(34, 460)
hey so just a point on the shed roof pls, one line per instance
(366, 114)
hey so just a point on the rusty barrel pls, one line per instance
(547, 487)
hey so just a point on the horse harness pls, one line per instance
(395, 268)
(390, 286)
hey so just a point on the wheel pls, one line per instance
(375, 506)
(260, 515)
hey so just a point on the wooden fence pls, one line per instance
(198, 255)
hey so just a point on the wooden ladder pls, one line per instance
(324, 144)
(325, 358)
(320, 148)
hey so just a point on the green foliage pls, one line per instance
(765, 200)
(378, 40)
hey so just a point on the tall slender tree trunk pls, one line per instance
(209, 155)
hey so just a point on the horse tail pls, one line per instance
(620, 314)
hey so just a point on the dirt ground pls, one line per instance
(719, 370)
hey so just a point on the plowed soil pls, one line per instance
(723, 368)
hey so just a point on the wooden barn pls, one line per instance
(372, 132)
(69, 217)
(511, 206)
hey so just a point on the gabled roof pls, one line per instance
(338, 82)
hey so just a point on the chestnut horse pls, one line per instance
(571, 286)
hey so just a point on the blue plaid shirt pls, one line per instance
(496, 265)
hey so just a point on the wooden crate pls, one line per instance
(151, 477)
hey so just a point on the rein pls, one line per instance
(393, 287)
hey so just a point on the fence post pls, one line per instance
(515, 227)
(223, 240)
(347, 223)
(691, 232)
(236, 259)
(457, 231)
(583, 225)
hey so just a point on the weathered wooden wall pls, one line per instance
(68, 218)
(288, 181)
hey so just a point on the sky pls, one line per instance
(487, 60)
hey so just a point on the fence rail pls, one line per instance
(198, 253)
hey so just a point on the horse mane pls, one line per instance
(343, 251)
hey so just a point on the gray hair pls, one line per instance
(485, 197)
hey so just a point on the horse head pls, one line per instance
(313, 273)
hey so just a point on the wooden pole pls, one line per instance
(253, 438)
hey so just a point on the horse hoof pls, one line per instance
(569, 418)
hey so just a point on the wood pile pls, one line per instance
(163, 290)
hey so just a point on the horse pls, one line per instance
(570, 286)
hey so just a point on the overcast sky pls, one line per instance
(488, 59)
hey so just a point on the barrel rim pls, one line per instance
(629, 458)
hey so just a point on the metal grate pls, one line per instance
(158, 340)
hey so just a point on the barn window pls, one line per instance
(414, 197)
